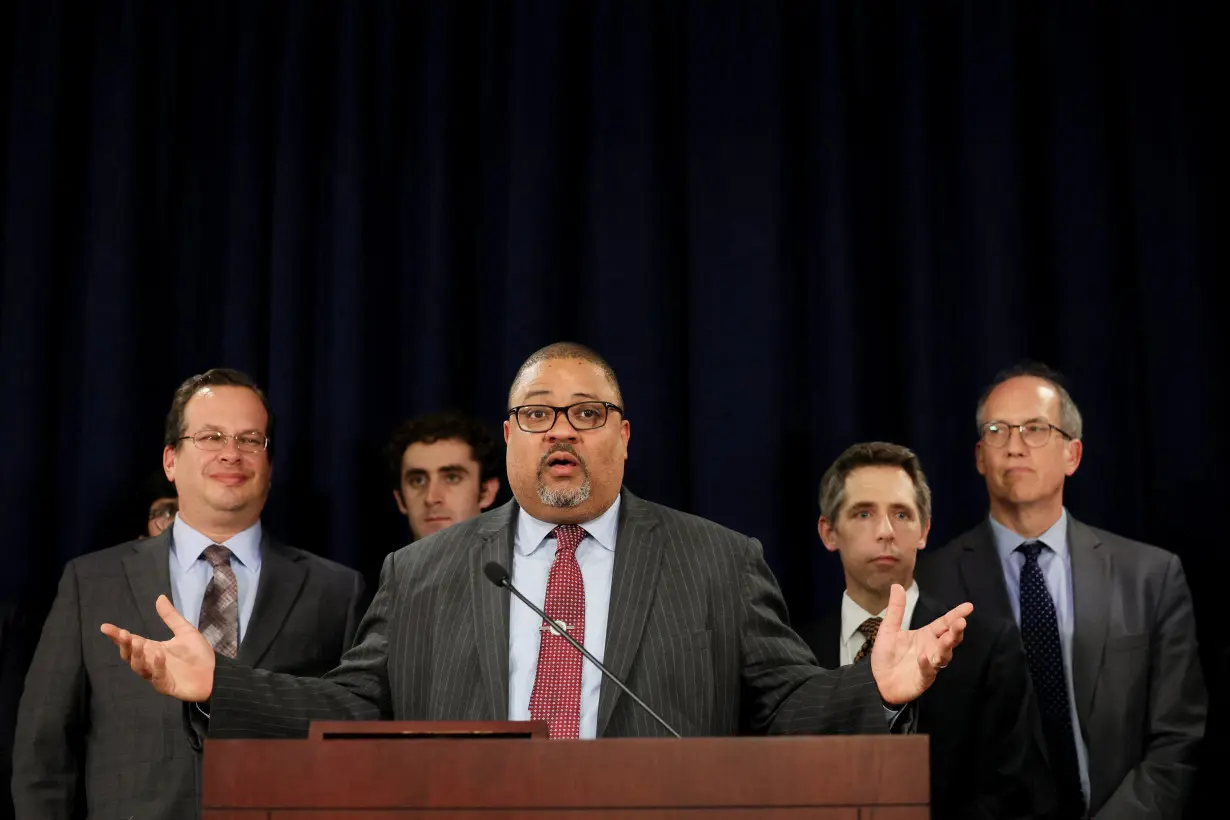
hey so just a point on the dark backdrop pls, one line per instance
(790, 226)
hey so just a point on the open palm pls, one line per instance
(182, 667)
(905, 662)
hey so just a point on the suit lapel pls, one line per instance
(490, 604)
(148, 568)
(1091, 585)
(282, 576)
(925, 611)
(982, 574)
(638, 559)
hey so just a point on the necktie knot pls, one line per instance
(217, 555)
(1031, 550)
(568, 537)
(868, 629)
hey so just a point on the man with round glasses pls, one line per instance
(90, 742)
(1106, 622)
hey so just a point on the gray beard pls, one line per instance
(564, 498)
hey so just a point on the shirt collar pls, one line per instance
(853, 615)
(187, 544)
(532, 533)
(1056, 537)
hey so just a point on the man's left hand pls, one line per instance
(905, 662)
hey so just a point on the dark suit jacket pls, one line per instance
(985, 761)
(88, 723)
(1140, 694)
(696, 627)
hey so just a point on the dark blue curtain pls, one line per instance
(790, 226)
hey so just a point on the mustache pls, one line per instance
(562, 447)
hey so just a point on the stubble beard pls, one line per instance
(566, 497)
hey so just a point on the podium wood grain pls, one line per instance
(449, 777)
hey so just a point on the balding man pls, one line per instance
(1106, 622)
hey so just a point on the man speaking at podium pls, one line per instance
(684, 611)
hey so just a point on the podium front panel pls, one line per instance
(499, 778)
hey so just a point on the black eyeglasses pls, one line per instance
(1033, 433)
(583, 416)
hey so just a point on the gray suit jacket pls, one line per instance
(697, 628)
(1140, 694)
(93, 739)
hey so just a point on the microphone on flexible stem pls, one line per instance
(497, 575)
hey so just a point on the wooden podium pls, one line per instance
(509, 771)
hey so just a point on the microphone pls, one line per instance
(497, 575)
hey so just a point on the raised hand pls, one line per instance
(905, 663)
(182, 667)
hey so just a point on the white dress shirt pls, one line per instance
(853, 615)
(533, 554)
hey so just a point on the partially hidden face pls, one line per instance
(161, 514)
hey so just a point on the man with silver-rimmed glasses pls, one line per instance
(90, 738)
(1106, 622)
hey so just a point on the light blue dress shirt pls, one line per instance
(1056, 566)
(533, 553)
(191, 573)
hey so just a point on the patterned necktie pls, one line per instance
(1040, 634)
(869, 629)
(220, 610)
(557, 682)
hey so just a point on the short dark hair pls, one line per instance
(155, 486)
(872, 454)
(569, 350)
(1069, 414)
(435, 427)
(215, 377)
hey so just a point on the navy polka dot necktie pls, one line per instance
(1040, 633)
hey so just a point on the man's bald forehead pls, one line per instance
(566, 351)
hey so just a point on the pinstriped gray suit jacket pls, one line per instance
(697, 628)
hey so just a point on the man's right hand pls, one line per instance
(182, 667)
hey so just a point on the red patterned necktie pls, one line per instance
(557, 682)
(219, 619)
